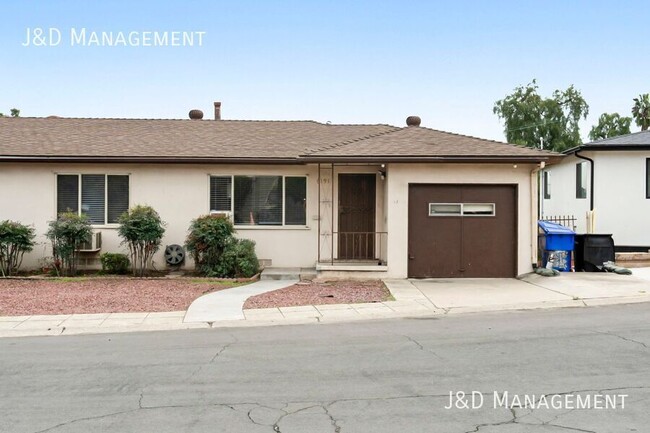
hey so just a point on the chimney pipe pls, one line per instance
(217, 111)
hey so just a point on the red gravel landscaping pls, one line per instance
(319, 293)
(26, 297)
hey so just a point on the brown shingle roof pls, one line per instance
(426, 143)
(235, 140)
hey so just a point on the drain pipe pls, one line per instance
(534, 191)
(591, 180)
(591, 225)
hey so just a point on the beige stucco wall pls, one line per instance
(178, 192)
(181, 192)
(401, 175)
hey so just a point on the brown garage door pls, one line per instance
(462, 231)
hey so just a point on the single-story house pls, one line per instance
(380, 200)
(605, 184)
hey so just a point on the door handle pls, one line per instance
(411, 257)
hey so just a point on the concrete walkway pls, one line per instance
(413, 298)
(228, 304)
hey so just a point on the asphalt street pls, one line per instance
(374, 376)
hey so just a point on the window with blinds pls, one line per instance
(93, 198)
(103, 198)
(221, 193)
(261, 200)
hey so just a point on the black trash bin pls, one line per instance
(592, 250)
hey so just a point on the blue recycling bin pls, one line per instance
(556, 244)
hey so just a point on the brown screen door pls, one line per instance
(356, 234)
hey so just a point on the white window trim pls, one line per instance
(79, 174)
(462, 210)
(263, 227)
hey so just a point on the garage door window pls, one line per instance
(461, 209)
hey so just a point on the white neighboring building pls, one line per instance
(610, 177)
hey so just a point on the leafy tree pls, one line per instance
(15, 240)
(141, 229)
(529, 117)
(14, 113)
(610, 125)
(67, 233)
(641, 111)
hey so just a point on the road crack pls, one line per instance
(421, 347)
(630, 340)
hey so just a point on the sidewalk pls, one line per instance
(413, 298)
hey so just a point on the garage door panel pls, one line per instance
(479, 245)
(432, 242)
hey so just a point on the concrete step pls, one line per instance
(288, 274)
(633, 260)
(280, 274)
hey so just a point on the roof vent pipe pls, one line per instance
(217, 111)
(196, 114)
(413, 121)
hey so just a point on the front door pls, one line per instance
(356, 234)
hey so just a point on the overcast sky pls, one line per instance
(338, 61)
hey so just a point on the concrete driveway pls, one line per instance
(569, 288)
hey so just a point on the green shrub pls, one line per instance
(208, 238)
(67, 233)
(141, 230)
(114, 263)
(238, 260)
(15, 240)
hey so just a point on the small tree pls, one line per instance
(141, 230)
(15, 240)
(208, 238)
(67, 233)
(14, 113)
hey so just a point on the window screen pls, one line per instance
(295, 206)
(118, 197)
(93, 197)
(547, 185)
(67, 193)
(258, 200)
(220, 193)
(581, 180)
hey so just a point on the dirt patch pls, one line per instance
(26, 297)
(319, 293)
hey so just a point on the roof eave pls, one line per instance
(434, 159)
(149, 160)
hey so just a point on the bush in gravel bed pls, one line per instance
(15, 240)
(114, 263)
(67, 233)
(209, 235)
(238, 260)
(141, 230)
(216, 252)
